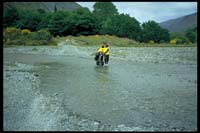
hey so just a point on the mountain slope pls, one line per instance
(47, 6)
(180, 24)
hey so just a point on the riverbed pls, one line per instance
(60, 88)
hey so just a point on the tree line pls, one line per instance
(104, 19)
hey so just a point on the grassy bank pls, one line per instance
(17, 37)
(113, 41)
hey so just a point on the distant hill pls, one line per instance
(181, 24)
(46, 6)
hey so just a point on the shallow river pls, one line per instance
(141, 89)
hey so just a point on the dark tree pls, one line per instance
(152, 31)
(192, 35)
(85, 23)
(123, 26)
(105, 9)
(28, 19)
(10, 17)
(58, 22)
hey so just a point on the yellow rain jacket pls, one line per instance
(106, 50)
(101, 50)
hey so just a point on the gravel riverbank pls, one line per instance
(60, 88)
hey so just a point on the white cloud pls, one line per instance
(157, 11)
(87, 4)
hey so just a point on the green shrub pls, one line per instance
(11, 33)
(162, 41)
(173, 41)
(183, 40)
(40, 35)
(180, 38)
(151, 42)
(192, 36)
(13, 36)
(15, 42)
(25, 32)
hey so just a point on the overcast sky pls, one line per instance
(157, 11)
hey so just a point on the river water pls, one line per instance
(60, 88)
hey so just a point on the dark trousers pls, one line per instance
(96, 57)
(106, 59)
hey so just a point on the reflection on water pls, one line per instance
(102, 73)
(102, 69)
